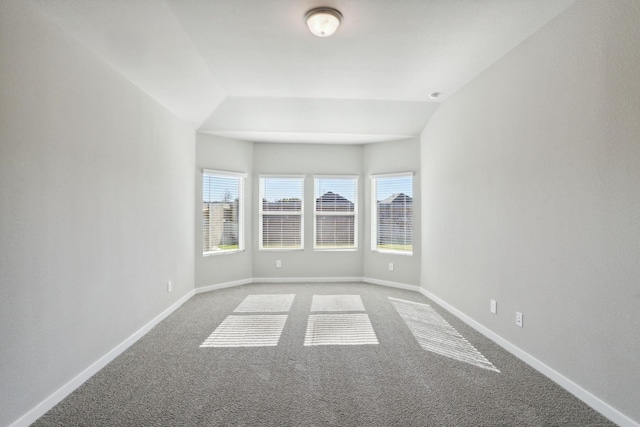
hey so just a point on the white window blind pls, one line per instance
(335, 213)
(281, 212)
(392, 213)
(222, 212)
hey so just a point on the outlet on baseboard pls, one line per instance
(494, 306)
(390, 266)
(278, 263)
(169, 286)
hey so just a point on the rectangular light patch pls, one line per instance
(248, 331)
(270, 303)
(436, 335)
(339, 329)
(337, 303)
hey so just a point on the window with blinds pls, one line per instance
(392, 213)
(281, 213)
(222, 212)
(335, 222)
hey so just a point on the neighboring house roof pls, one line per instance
(328, 201)
(331, 200)
(397, 198)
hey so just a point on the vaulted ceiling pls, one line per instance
(250, 69)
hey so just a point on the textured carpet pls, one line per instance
(169, 379)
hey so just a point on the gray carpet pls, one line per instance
(168, 379)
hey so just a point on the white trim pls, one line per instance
(232, 284)
(354, 213)
(222, 252)
(334, 213)
(283, 176)
(306, 279)
(374, 213)
(280, 249)
(593, 401)
(282, 213)
(356, 177)
(227, 173)
(241, 178)
(43, 407)
(335, 249)
(392, 175)
(393, 252)
(391, 284)
(258, 280)
(262, 213)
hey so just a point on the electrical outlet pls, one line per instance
(278, 263)
(519, 319)
(494, 306)
(169, 286)
(390, 266)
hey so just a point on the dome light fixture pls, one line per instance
(323, 21)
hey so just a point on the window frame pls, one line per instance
(262, 213)
(374, 213)
(241, 178)
(354, 213)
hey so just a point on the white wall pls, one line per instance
(96, 209)
(383, 158)
(531, 196)
(217, 153)
(308, 160)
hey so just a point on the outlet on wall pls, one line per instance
(169, 286)
(390, 266)
(494, 306)
(278, 263)
(519, 319)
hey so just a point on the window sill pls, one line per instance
(280, 249)
(216, 253)
(392, 252)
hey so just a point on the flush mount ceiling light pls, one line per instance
(323, 21)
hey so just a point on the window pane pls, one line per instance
(281, 232)
(281, 212)
(336, 207)
(392, 210)
(222, 205)
(335, 231)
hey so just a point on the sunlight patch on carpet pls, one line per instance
(248, 331)
(339, 329)
(337, 303)
(436, 335)
(269, 303)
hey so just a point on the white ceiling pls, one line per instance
(252, 70)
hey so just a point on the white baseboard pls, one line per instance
(55, 398)
(582, 394)
(391, 284)
(593, 401)
(306, 279)
(223, 285)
